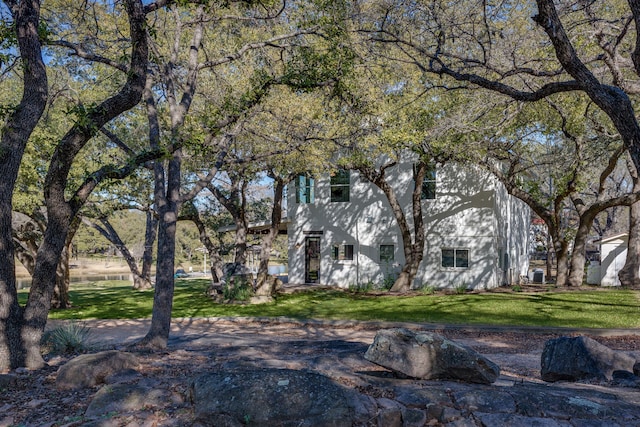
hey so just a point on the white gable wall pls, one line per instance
(464, 216)
(613, 255)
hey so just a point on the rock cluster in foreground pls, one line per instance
(329, 384)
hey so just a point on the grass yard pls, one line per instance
(612, 308)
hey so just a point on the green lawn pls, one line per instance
(613, 308)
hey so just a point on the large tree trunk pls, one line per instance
(60, 212)
(413, 248)
(578, 256)
(242, 230)
(562, 261)
(59, 217)
(13, 139)
(61, 298)
(629, 275)
(413, 245)
(264, 286)
(167, 206)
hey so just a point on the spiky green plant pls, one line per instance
(70, 338)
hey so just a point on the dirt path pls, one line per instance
(516, 350)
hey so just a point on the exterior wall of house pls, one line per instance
(613, 254)
(513, 221)
(468, 214)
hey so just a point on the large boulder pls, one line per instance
(89, 370)
(581, 358)
(273, 397)
(427, 355)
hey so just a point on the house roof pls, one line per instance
(261, 227)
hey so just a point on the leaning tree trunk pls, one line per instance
(13, 139)
(413, 247)
(409, 271)
(60, 212)
(39, 302)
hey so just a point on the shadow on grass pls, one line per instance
(584, 309)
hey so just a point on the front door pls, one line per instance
(312, 260)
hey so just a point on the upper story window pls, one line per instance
(305, 192)
(455, 258)
(340, 186)
(429, 183)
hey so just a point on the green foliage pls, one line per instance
(362, 287)
(71, 338)
(428, 289)
(386, 284)
(460, 288)
(83, 116)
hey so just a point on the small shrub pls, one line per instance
(428, 289)
(516, 288)
(362, 287)
(237, 290)
(388, 282)
(460, 288)
(71, 338)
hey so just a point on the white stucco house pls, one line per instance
(342, 231)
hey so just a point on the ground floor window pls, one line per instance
(387, 253)
(342, 252)
(455, 258)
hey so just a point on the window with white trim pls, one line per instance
(340, 181)
(429, 183)
(455, 258)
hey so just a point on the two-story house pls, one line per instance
(342, 231)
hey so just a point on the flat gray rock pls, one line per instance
(273, 397)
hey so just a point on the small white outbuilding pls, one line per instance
(613, 254)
